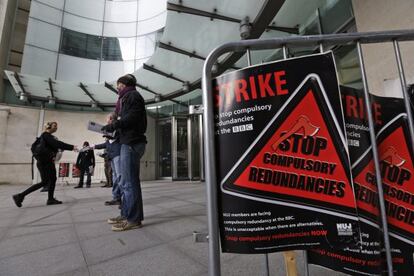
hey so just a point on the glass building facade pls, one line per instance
(91, 41)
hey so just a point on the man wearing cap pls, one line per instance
(131, 125)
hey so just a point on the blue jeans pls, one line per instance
(132, 208)
(116, 176)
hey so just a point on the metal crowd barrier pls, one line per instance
(284, 43)
(98, 175)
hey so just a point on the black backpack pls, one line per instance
(39, 149)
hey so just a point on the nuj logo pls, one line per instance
(344, 229)
(301, 137)
(392, 169)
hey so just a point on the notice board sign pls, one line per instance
(75, 171)
(282, 161)
(63, 169)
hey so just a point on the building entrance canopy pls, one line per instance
(192, 30)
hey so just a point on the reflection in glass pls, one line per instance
(111, 49)
(335, 14)
(195, 147)
(80, 45)
(164, 145)
(182, 148)
(118, 48)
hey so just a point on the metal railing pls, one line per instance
(321, 41)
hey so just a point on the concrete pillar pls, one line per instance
(381, 67)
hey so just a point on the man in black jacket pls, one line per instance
(46, 166)
(86, 164)
(131, 125)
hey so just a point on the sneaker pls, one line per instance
(113, 202)
(77, 187)
(116, 220)
(125, 226)
(53, 201)
(18, 199)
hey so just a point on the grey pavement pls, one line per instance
(74, 238)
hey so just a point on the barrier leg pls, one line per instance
(290, 263)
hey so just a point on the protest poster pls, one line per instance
(364, 258)
(283, 167)
(396, 166)
(63, 169)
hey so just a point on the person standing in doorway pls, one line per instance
(131, 125)
(86, 164)
(46, 165)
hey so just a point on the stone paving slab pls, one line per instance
(75, 239)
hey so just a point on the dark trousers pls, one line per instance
(48, 175)
(132, 207)
(84, 171)
(108, 172)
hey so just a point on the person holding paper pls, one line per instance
(132, 125)
(113, 149)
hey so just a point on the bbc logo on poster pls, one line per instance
(242, 128)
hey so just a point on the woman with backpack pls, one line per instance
(44, 150)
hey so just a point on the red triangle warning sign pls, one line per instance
(365, 188)
(300, 156)
(300, 160)
(397, 168)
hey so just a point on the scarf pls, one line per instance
(121, 94)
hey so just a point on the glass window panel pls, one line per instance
(151, 25)
(121, 11)
(118, 48)
(73, 43)
(145, 46)
(39, 62)
(82, 25)
(94, 9)
(54, 3)
(42, 35)
(102, 94)
(112, 70)
(45, 13)
(80, 45)
(335, 14)
(312, 26)
(76, 93)
(93, 47)
(111, 49)
(150, 8)
(77, 69)
(140, 62)
(119, 29)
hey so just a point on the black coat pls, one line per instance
(85, 159)
(132, 122)
(53, 145)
